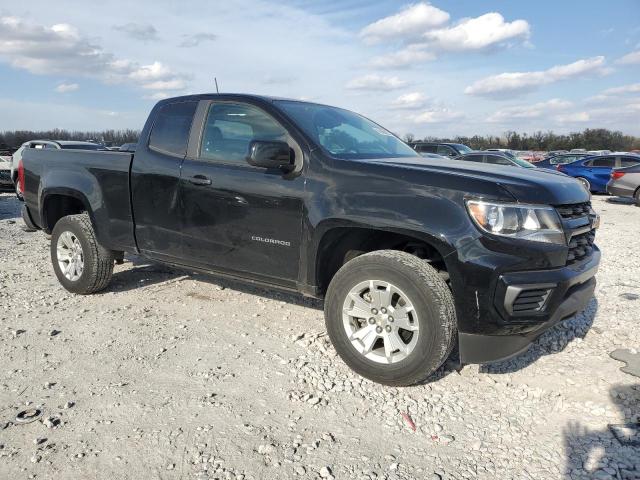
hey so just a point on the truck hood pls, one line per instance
(526, 185)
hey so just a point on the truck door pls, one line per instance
(237, 217)
(155, 179)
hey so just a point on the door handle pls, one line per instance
(200, 180)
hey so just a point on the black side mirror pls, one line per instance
(270, 154)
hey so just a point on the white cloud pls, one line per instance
(528, 112)
(67, 87)
(632, 58)
(375, 83)
(478, 33)
(412, 21)
(138, 31)
(156, 96)
(424, 29)
(632, 88)
(440, 115)
(410, 101)
(62, 50)
(576, 117)
(190, 41)
(510, 84)
(411, 55)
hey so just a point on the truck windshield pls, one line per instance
(345, 134)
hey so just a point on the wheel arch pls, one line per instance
(337, 242)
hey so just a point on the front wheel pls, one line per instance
(81, 264)
(390, 317)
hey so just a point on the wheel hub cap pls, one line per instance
(380, 321)
(70, 256)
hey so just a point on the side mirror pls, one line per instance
(270, 154)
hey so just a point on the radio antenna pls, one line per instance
(215, 79)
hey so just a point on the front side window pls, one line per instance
(170, 132)
(345, 134)
(231, 127)
(446, 151)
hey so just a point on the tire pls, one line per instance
(29, 226)
(636, 197)
(97, 261)
(433, 317)
(585, 183)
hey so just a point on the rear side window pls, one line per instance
(607, 162)
(170, 132)
(473, 158)
(498, 160)
(426, 148)
(629, 162)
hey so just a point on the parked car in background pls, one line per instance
(434, 156)
(553, 153)
(552, 162)
(5, 174)
(506, 151)
(445, 149)
(127, 147)
(595, 171)
(49, 145)
(495, 158)
(625, 182)
(578, 150)
(599, 152)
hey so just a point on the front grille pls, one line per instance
(575, 210)
(577, 221)
(581, 246)
(529, 301)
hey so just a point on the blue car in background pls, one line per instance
(555, 160)
(594, 172)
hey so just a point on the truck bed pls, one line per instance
(103, 177)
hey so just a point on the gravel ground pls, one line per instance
(172, 375)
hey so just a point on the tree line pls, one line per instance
(589, 139)
(10, 140)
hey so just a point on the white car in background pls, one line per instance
(5, 174)
(46, 144)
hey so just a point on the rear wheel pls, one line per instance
(585, 183)
(81, 264)
(636, 197)
(390, 317)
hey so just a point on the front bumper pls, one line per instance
(569, 291)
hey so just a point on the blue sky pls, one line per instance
(439, 68)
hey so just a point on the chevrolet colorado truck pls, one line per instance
(412, 256)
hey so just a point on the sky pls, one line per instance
(443, 68)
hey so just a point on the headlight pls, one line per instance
(537, 223)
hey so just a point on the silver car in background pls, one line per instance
(625, 182)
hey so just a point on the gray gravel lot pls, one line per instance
(172, 375)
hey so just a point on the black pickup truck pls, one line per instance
(412, 256)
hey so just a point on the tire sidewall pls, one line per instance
(427, 354)
(68, 224)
